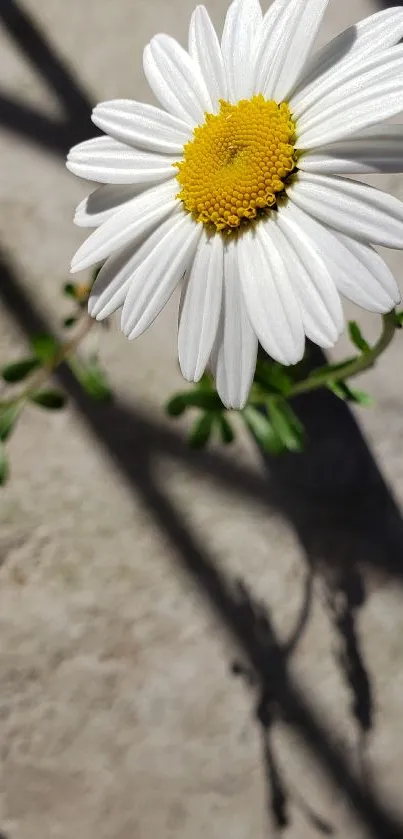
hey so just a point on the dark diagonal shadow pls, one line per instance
(135, 443)
(55, 135)
(333, 496)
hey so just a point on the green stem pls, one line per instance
(355, 366)
(41, 376)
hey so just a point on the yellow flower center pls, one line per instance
(234, 168)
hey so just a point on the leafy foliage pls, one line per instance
(357, 338)
(19, 370)
(263, 430)
(49, 398)
(91, 378)
(201, 431)
(45, 348)
(9, 413)
(350, 394)
(286, 424)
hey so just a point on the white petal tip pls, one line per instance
(128, 330)
(397, 298)
(93, 307)
(97, 310)
(236, 404)
(80, 262)
(326, 342)
(191, 376)
(388, 307)
(131, 336)
(293, 357)
(75, 167)
(75, 268)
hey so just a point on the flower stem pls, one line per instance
(354, 366)
(41, 376)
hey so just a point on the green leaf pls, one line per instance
(201, 431)
(272, 377)
(69, 290)
(19, 370)
(360, 397)
(176, 406)
(339, 389)
(51, 399)
(226, 430)
(399, 319)
(206, 400)
(350, 394)
(3, 465)
(45, 347)
(92, 379)
(286, 424)
(262, 429)
(8, 416)
(357, 337)
(69, 322)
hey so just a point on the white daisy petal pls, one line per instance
(271, 303)
(111, 285)
(373, 34)
(234, 356)
(142, 126)
(370, 95)
(204, 48)
(383, 294)
(357, 270)
(378, 149)
(115, 163)
(279, 278)
(352, 208)
(200, 307)
(326, 91)
(291, 40)
(157, 277)
(104, 202)
(138, 216)
(113, 281)
(241, 29)
(176, 80)
(264, 42)
(319, 301)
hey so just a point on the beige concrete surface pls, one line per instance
(120, 716)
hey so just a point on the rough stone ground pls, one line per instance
(120, 714)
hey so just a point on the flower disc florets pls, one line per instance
(235, 167)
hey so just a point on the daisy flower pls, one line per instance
(236, 188)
